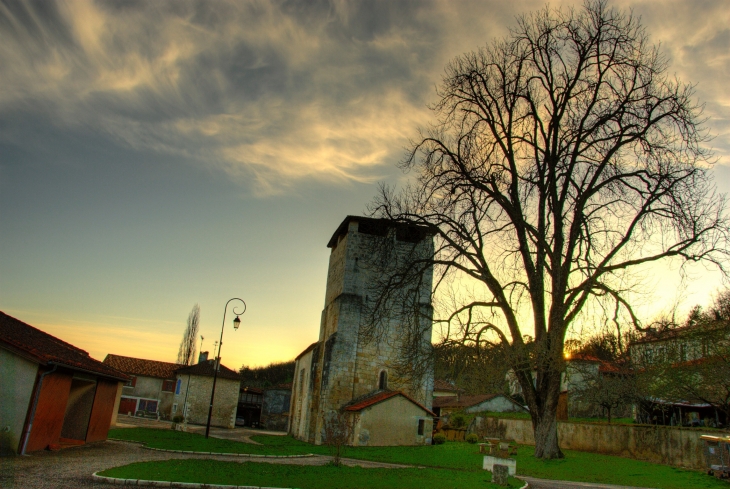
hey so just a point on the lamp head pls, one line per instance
(236, 323)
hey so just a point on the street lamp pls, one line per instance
(217, 362)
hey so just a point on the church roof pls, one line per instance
(380, 396)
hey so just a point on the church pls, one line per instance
(343, 372)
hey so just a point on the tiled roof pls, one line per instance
(142, 367)
(252, 390)
(380, 396)
(307, 350)
(462, 401)
(445, 385)
(206, 369)
(46, 349)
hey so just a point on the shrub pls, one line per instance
(178, 419)
(457, 421)
(472, 438)
(439, 439)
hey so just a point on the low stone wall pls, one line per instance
(661, 444)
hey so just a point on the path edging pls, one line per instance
(180, 485)
(227, 454)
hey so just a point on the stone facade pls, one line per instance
(275, 408)
(192, 399)
(341, 366)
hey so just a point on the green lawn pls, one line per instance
(305, 477)
(456, 456)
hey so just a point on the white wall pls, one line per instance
(17, 378)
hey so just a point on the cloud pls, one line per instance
(274, 92)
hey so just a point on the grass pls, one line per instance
(302, 476)
(455, 457)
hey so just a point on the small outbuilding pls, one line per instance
(389, 418)
(192, 394)
(496, 403)
(52, 393)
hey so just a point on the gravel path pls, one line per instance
(72, 467)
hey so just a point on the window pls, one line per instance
(383, 383)
(421, 425)
(174, 408)
(177, 388)
(131, 382)
(168, 385)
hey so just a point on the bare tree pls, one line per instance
(187, 350)
(563, 157)
(338, 428)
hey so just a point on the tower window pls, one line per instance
(421, 424)
(383, 382)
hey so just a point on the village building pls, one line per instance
(150, 388)
(52, 394)
(250, 400)
(444, 388)
(193, 388)
(492, 403)
(341, 372)
(275, 407)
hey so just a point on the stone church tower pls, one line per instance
(342, 371)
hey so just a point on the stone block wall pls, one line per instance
(669, 445)
(342, 366)
(195, 392)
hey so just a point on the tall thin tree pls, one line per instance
(187, 350)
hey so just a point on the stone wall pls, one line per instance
(342, 367)
(379, 425)
(195, 393)
(661, 444)
(275, 409)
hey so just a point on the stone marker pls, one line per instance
(500, 475)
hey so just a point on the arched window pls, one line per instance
(383, 382)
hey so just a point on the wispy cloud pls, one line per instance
(273, 92)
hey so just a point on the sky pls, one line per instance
(155, 155)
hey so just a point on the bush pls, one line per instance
(472, 438)
(439, 439)
(178, 419)
(457, 421)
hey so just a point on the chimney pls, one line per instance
(203, 357)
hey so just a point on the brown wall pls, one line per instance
(101, 413)
(50, 410)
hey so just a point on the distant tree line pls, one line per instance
(273, 374)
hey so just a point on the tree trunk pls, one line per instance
(546, 435)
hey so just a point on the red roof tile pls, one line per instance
(47, 349)
(381, 396)
(445, 385)
(142, 367)
(462, 401)
(206, 369)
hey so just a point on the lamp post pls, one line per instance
(217, 361)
